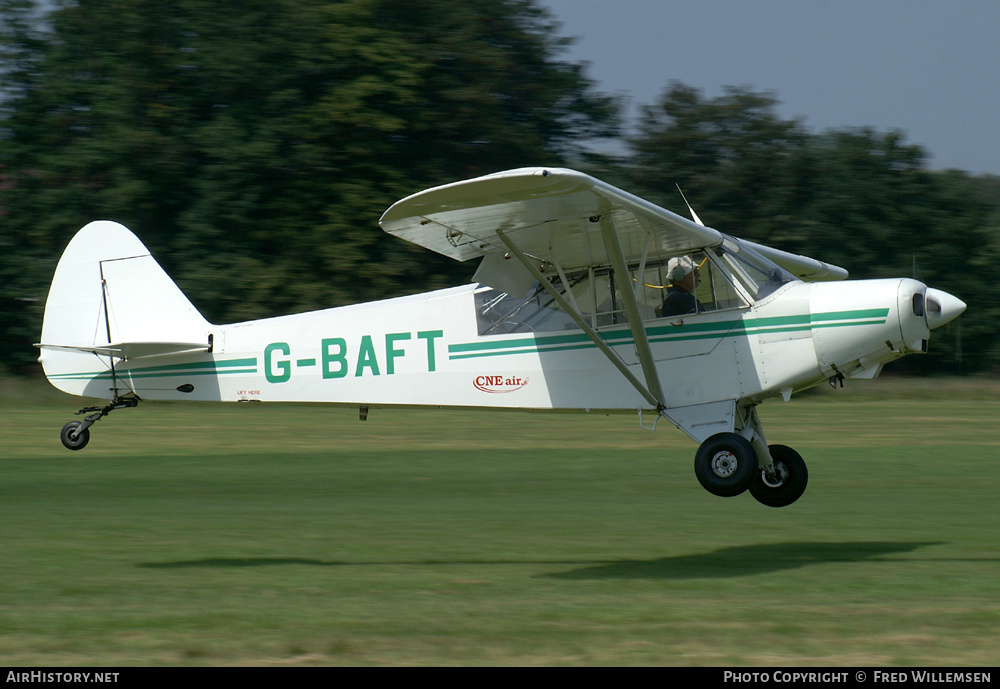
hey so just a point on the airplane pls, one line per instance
(586, 298)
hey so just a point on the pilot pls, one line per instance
(683, 273)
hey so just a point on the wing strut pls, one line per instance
(654, 400)
(632, 310)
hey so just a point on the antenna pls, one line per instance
(694, 216)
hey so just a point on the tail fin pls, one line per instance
(109, 301)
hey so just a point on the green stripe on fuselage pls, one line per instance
(672, 333)
(196, 368)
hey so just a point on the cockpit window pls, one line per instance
(499, 312)
(689, 284)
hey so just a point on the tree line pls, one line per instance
(254, 145)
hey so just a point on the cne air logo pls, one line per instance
(496, 384)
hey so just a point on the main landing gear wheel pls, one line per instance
(726, 464)
(788, 481)
(73, 437)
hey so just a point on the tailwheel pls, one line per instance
(786, 483)
(74, 436)
(726, 464)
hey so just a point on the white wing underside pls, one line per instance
(555, 215)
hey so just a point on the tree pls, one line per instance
(253, 146)
(735, 159)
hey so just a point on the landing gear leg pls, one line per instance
(76, 434)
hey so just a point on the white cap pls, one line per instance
(680, 267)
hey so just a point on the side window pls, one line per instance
(592, 293)
(691, 283)
(498, 313)
(719, 289)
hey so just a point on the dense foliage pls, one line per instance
(254, 145)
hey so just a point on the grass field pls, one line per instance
(296, 535)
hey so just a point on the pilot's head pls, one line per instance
(683, 272)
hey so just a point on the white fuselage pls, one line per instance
(426, 350)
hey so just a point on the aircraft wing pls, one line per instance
(802, 267)
(551, 214)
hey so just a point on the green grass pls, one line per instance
(284, 535)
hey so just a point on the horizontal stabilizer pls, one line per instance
(133, 350)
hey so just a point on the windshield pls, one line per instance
(756, 274)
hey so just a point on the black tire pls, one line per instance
(77, 441)
(726, 464)
(787, 485)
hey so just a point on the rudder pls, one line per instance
(111, 300)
